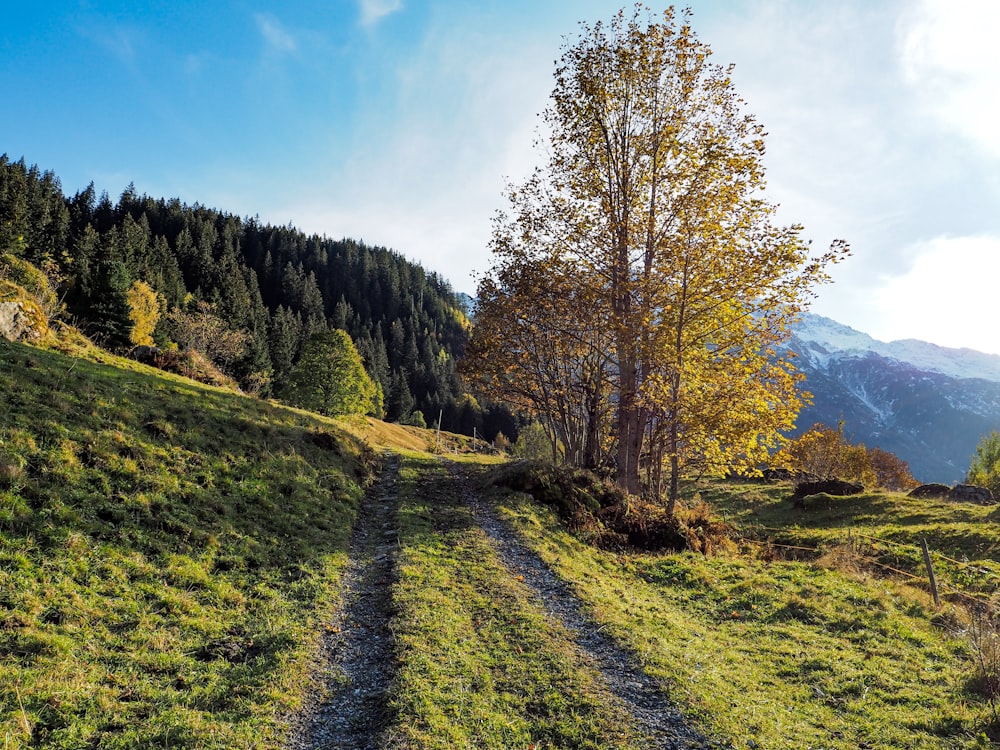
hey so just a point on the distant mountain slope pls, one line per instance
(826, 336)
(928, 404)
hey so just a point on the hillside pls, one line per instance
(168, 552)
(246, 293)
(927, 404)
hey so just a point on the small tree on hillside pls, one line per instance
(330, 378)
(984, 469)
(199, 327)
(892, 472)
(144, 308)
(825, 452)
(535, 442)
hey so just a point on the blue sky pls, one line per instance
(398, 121)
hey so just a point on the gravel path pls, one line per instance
(359, 644)
(655, 715)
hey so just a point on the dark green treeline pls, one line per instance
(275, 285)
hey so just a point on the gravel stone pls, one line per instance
(644, 698)
(358, 644)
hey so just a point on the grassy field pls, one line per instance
(779, 653)
(480, 664)
(170, 553)
(884, 528)
(167, 552)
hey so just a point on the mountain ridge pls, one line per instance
(961, 363)
(928, 404)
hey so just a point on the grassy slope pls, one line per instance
(964, 539)
(780, 654)
(167, 551)
(481, 665)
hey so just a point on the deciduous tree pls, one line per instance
(652, 199)
(199, 327)
(536, 346)
(826, 453)
(330, 378)
(144, 308)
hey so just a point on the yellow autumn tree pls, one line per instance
(144, 309)
(826, 453)
(535, 346)
(651, 198)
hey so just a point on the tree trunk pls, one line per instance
(592, 443)
(630, 427)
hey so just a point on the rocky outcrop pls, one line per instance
(809, 495)
(21, 320)
(970, 493)
(962, 493)
(837, 487)
(11, 321)
(932, 490)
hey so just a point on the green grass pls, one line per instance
(170, 552)
(779, 654)
(886, 527)
(167, 552)
(480, 665)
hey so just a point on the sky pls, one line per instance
(399, 122)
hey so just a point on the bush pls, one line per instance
(533, 443)
(824, 453)
(608, 518)
(984, 468)
(415, 419)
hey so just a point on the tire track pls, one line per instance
(358, 645)
(654, 713)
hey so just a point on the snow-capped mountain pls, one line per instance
(928, 404)
(827, 337)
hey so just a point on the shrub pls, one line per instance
(824, 453)
(984, 468)
(533, 443)
(605, 516)
(415, 419)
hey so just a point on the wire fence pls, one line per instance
(876, 553)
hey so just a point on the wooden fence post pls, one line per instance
(930, 571)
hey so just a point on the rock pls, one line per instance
(145, 354)
(824, 490)
(837, 487)
(777, 475)
(930, 490)
(13, 324)
(970, 493)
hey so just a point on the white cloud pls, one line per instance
(950, 58)
(276, 37)
(373, 11)
(948, 296)
(425, 169)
